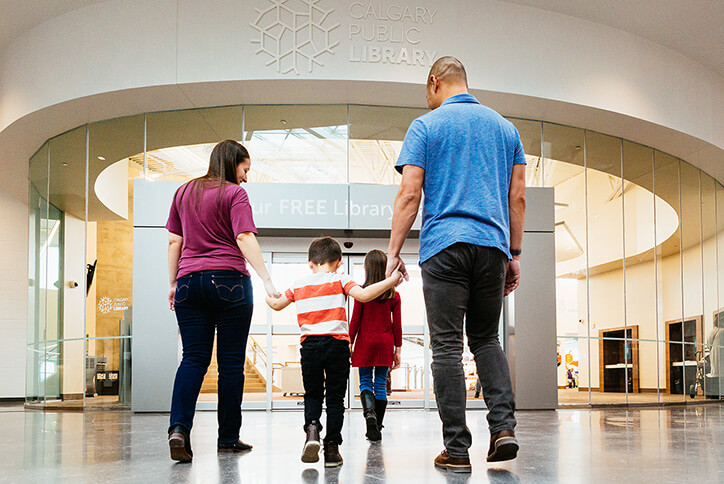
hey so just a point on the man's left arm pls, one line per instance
(516, 207)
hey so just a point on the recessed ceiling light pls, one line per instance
(101, 158)
(283, 121)
(65, 164)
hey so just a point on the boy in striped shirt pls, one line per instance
(321, 300)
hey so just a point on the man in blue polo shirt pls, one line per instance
(469, 162)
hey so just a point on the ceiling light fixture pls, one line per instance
(101, 158)
(65, 164)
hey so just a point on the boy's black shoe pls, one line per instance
(311, 444)
(179, 442)
(332, 457)
(236, 447)
(368, 406)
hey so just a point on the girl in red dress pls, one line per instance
(376, 333)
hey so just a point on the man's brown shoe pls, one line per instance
(503, 446)
(311, 444)
(236, 447)
(332, 457)
(453, 464)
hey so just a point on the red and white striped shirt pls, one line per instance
(321, 301)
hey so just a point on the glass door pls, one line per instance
(405, 385)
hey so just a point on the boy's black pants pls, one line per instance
(325, 366)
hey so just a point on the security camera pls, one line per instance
(348, 245)
(72, 284)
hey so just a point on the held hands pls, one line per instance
(512, 276)
(271, 290)
(394, 263)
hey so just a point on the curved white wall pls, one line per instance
(118, 45)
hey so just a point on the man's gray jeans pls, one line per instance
(465, 283)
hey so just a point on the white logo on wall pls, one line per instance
(106, 304)
(294, 34)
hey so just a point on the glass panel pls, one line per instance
(179, 142)
(715, 338)
(297, 144)
(376, 135)
(530, 136)
(640, 270)
(572, 371)
(609, 371)
(668, 271)
(710, 272)
(287, 369)
(563, 169)
(66, 268)
(37, 270)
(114, 164)
(692, 264)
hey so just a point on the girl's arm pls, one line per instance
(373, 291)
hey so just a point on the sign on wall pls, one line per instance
(297, 36)
(287, 205)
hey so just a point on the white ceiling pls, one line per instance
(694, 28)
(691, 27)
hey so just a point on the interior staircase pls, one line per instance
(254, 381)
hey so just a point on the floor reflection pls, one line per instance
(672, 444)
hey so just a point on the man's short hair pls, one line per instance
(448, 69)
(325, 250)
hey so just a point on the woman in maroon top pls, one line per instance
(376, 333)
(211, 239)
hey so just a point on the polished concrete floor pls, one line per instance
(672, 444)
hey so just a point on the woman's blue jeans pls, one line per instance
(377, 384)
(208, 303)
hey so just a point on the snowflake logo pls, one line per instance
(294, 34)
(105, 305)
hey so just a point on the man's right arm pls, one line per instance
(516, 207)
(407, 203)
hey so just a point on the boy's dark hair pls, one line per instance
(325, 250)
